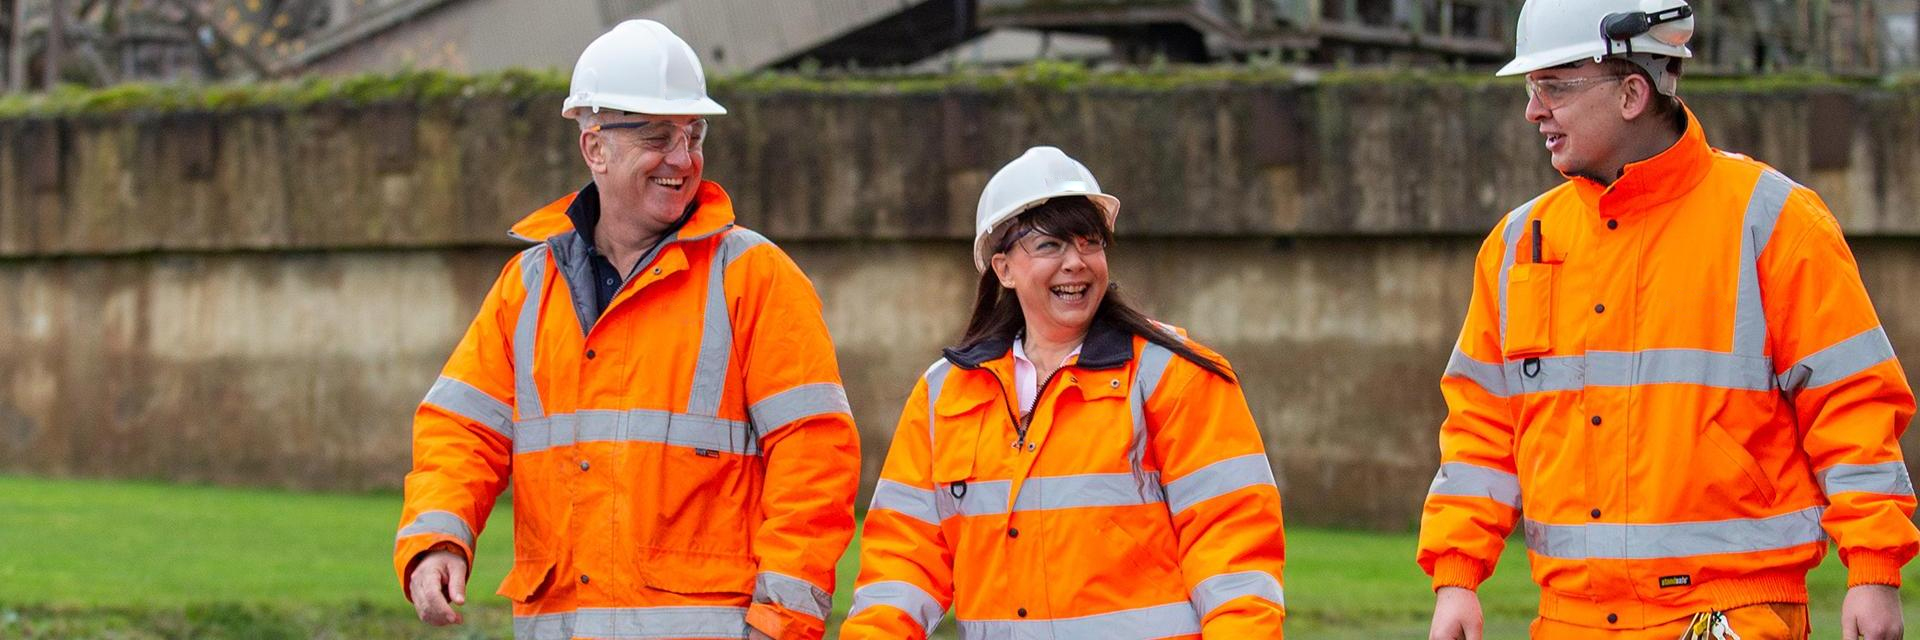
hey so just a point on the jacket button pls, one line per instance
(1022, 612)
(590, 354)
(1613, 224)
(1073, 380)
(584, 465)
(1596, 421)
(1611, 618)
(1115, 383)
(1599, 308)
(1013, 533)
(584, 579)
(1595, 513)
(656, 271)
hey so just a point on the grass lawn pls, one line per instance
(88, 559)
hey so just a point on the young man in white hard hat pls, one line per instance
(659, 385)
(1669, 370)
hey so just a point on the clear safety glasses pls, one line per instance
(660, 136)
(1554, 93)
(1046, 247)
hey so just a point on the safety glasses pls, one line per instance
(1554, 93)
(1045, 247)
(660, 136)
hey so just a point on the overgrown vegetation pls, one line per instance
(431, 88)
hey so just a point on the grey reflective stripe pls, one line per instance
(473, 404)
(1510, 247)
(793, 593)
(1043, 493)
(909, 501)
(1219, 479)
(1216, 591)
(1475, 481)
(1678, 540)
(1763, 211)
(914, 601)
(634, 622)
(936, 377)
(441, 522)
(1886, 478)
(1174, 619)
(638, 425)
(1630, 368)
(526, 331)
(790, 406)
(1838, 362)
(1146, 380)
(716, 330)
(1490, 376)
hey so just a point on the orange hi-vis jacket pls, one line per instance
(1140, 504)
(682, 467)
(1680, 383)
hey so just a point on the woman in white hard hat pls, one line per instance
(1071, 469)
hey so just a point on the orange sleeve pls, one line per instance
(1474, 501)
(462, 436)
(1847, 390)
(1220, 490)
(906, 567)
(799, 410)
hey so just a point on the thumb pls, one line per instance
(457, 584)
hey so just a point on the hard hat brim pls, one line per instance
(1108, 204)
(702, 106)
(1555, 57)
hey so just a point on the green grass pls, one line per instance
(90, 559)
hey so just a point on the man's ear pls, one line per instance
(595, 151)
(1636, 97)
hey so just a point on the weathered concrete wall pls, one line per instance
(261, 297)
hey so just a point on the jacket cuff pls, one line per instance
(781, 623)
(1458, 570)
(1872, 567)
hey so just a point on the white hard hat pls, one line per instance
(1555, 32)
(1039, 175)
(640, 67)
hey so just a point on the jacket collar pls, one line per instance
(712, 213)
(1653, 181)
(1107, 347)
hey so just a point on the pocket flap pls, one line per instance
(526, 579)
(683, 571)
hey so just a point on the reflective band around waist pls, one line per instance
(440, 522)
(1475, 481)
(1678, 540)
(1886, 478)
(638, 425)
(1218, 479)
(914, 601)
(1050, 492)
(793, 593)
(910, 501)
(1213, 593)
(1617, 369)
(634, 622)
(1172, 619)
(801, 402)
(471, 403)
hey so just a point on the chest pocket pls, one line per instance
(1530, 309)
(957, 433)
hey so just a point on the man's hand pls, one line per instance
(1456, 615)
(1872, 612)
(438, 584)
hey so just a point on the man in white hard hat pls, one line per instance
(1670, 373)
(658, 384)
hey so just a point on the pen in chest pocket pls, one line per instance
(1537, 241)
